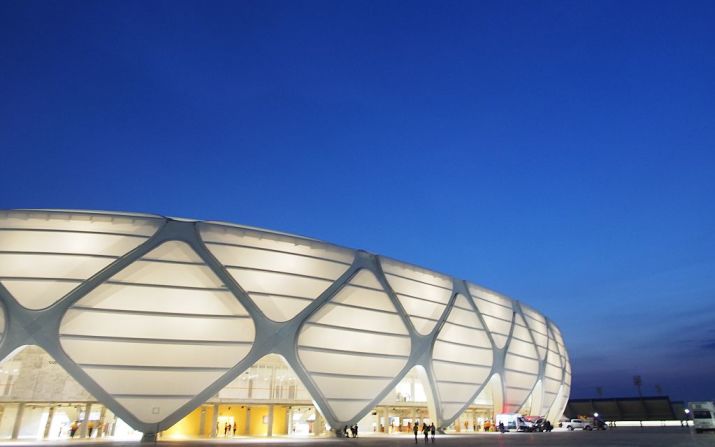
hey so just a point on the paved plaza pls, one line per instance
(621, 437)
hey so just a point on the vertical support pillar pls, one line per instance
(202, 421)
(248, 420)
(85, 421)
(102, 425)
(78, 418)
(269, 429)
(48, 424)
(318, 424)
(18, 420)
(214, 421)
(289, 422)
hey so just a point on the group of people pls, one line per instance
(74, 427)
(351, 430)
(426, 430)
(227, 429)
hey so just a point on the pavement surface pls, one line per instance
(620, 437)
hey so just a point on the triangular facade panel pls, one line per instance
(423, 294)
(281, 274)
(45, 255)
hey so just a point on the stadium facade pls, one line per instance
(167, 323)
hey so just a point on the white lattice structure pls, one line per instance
(155, 315)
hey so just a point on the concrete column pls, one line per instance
(101, 425)
(285, 423)
(289, 422)
(85, 421)
(214, 421)
(269, 429)
(318, 424)
(202, 421)
(78, 418)
(18, 421)
(48, 425)
(248, 420)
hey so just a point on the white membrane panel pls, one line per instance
(354, 346)
(521, 367)
(559, 405)
(461, 358)
(566, 386)
(553, 373)
(562, 397)
(165, 310)
(424, 294)
(497, 312)
(45, 255)
(282, 274)
(537, 326)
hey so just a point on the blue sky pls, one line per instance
(562, 153)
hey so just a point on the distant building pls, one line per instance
(212, 329)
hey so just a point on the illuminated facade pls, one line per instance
(155, 316)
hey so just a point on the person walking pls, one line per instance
(425, 430)
(415, 429)
(73, 428)
(432, 429)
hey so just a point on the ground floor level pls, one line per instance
(220, 420)
(651, 436)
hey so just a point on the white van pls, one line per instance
(513, 421)
(703, 414)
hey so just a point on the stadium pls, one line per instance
(118, 323)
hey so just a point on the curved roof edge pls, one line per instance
(264, 230)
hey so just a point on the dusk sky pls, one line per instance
(562, 153)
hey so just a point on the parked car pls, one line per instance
(599, 424)
(542, 424)
(573, 424)
(703, 416)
